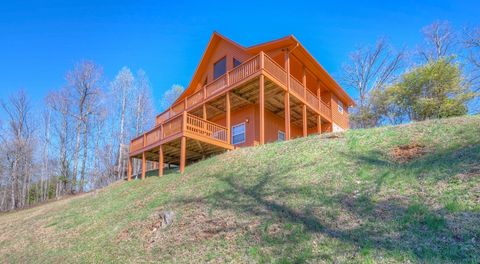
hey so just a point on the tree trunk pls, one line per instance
(85, 151)
(75, 158)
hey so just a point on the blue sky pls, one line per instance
(40, 41)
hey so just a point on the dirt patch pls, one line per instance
(195, 223)
(406, 153)
(334, 135)
(124, 235)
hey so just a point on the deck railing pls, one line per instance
(275, 70)
(153, 136)
(325, 109)
(216, 86)
(195, 99)
(244, 70)
(296, 87)
(206, 128)
(137, 143)
(172, 126)
(175, 125)
(162, 117)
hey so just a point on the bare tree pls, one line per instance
(171, 95)
(19, 144)
(122, 88)
(440, 41)
(143, 108)
(77, 121)
(472, 44)
(84, 81)
(59, 102)
(371, 68)
(45, 138)
(143, 103)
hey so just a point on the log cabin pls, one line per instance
(244, 96)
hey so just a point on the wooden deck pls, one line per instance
(183, 125)
(183, 134)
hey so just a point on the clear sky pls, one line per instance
(41, 40)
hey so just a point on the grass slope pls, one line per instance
(314, 199)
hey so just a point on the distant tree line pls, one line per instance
(439, 78)
(78, 139)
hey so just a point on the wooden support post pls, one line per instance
(129, 169)
(204, 115)
(319, 118)
(287, 96)
(261, 99)
(287, 115)
(304, 117)
(162, 135)
(319, 124)
(262, 60)
(227, 118)
(304, 82)
(183, 153)
(184, 121)
(144, 165)
(287, 64)
(160, 161)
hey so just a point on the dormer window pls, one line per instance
(219, 68)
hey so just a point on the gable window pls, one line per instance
(236, 63)
(340, 107)
(281, 135)
(219, 68)
(238, 134)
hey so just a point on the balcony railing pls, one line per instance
(206, 128)
(181, 123)
(240, 73)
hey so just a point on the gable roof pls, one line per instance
(296, 49)
(202, 66)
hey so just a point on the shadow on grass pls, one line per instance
(396, 226)
(438, 165)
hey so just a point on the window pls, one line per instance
(220, 68)
(340, 107)
(238, 134)
(236, 63)
(281, 135)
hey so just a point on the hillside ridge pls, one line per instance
(395, 194)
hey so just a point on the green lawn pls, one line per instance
(345, 198)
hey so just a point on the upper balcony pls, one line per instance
(260, 63)
(177, 121)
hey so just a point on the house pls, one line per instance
(244, 96)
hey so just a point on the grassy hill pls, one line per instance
(393, 195)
